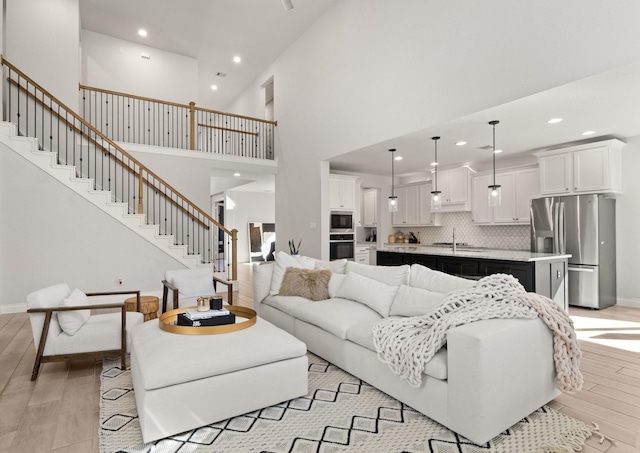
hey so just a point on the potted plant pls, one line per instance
(294, 250)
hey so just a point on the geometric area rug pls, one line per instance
(341, 413)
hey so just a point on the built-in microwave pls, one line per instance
(341, 221)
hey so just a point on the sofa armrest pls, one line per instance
(262, 274)
(499, 371)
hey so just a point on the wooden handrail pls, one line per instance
(227, 129)
(4, 61)
(174, 104)
(118, 160)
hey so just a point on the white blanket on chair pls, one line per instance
(408, 344)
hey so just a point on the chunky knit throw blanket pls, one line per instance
(408, 344)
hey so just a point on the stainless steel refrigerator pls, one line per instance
(585, 227)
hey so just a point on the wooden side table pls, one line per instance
(148, 306)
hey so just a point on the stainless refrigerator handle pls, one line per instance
(555, 228)
(580, 269)
(562, 230)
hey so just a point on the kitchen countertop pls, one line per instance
(471, 252)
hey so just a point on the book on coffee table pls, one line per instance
(194, 314)
(184, 320)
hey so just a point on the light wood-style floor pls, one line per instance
(59, 412)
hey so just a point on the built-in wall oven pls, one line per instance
(341, 246)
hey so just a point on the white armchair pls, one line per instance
(63, 326)
(186, 285)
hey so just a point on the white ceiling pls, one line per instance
(608, 104)
(213, 31)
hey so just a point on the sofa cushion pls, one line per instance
(425, 278)
(362, 333)
(335, 266)
(372, 293)
(262, 275)
(283, 261)
(334, 284)
(391, 275)
(411, 301)
(308, 283)
(71, 321)
(335, 316)
(285, 303)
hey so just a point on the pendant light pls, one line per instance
(495, 190)
(393, 200)
(436, 195)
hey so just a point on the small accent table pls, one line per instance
(148, 306)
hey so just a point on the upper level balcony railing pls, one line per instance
(135, 119)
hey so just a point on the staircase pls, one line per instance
(57, 140)
(29, 149)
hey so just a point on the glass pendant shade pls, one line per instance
(393, 204)
(495, 195)
(436, 199)
(495, 191)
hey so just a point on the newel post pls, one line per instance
(234, 254)
(192, 125)
(140, 193)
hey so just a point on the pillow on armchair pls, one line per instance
(71, 321)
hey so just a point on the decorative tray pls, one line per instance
(245, 317)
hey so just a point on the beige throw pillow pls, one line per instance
(308, 283)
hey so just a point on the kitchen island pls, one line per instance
(543, 273)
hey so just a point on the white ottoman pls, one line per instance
(182, 382)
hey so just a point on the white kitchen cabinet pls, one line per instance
(370, 208)
(480, 211)
(518, 188)
(590, 168)
(408, 210)
(427, 217)
(454, 185)
(342, 192)
(361, 254)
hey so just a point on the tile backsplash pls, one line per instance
(512, 237)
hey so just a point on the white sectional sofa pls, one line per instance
(489, 375)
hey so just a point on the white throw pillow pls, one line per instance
(415, 301)
(335, 283)
(335, 266)
(71, 321)
(372, 293)
(193, 284)
(425, 278)
(283, 261)
(391, 275)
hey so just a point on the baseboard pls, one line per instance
(13, 308)
(628, 302)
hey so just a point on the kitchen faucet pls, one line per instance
(454, 240)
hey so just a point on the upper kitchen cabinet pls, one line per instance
(519, 186)
(454, 185)
(407, 213)
(589, 168)
(370, 207)
(342, 192)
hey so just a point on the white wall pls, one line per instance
(49, 234)
(249, 207)
(42, 41)
(369, 70)
(628, 226)
(114, 64)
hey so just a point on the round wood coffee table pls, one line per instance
(148, 306)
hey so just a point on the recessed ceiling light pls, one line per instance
(588, 132)
(142, 32)
(461, 143)
(236, 174)
(398, 158)
(497, 151)
(214, 87)
(554, 120)
(237, 59)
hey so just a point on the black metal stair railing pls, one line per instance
(61, 131)
(135, 119)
